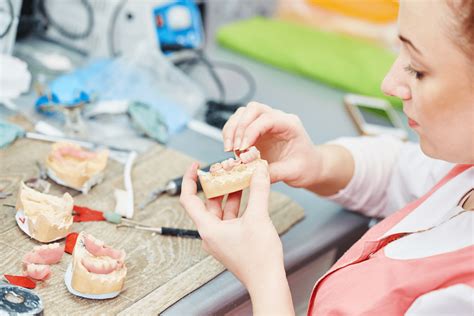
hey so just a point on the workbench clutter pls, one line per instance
(9, 132)
(18, 79)
(74, 167)
(43, 217)
(98, 271)
(164, 259)
(159, 98)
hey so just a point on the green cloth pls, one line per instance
(348, 63)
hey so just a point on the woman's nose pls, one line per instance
(395, 82)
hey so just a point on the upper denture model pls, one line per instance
(43, 217)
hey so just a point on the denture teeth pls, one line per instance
(107, 265)
(244, 157)
(96, 241)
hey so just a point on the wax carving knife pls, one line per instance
(172, 188)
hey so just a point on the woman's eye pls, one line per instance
(418, 74)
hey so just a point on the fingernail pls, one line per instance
(227, 144)
(245, 144)
(237, 143)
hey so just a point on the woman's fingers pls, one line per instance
(234, 129)
(191, 202)
(214, 206)
(259, 127)
(232, 205)
(259, 192)
(228, 130)
(252, 112)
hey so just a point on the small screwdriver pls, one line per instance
(172, 188)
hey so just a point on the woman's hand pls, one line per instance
(281, 139)
(248, 246)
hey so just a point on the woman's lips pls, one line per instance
(412, 123)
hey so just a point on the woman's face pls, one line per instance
(435, 80)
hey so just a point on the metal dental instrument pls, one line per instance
(116, 153)
(16, 300)
(4, 195)
(165, 231)
(172, 188)
(43, 174)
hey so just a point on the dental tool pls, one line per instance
(171, 188)
(165, 231)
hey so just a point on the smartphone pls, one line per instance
(374, 116)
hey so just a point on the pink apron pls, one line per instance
(366, 282)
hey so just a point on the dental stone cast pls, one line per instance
(74, 167)
(97, 269)
(230, 175)
(43, 217)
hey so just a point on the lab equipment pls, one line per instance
(374, 116)
(71, 107)
(116, 153)
(16, 300)
(172, 188)
(165, 231)
(110, 28)
(148, 121)
(144, 76)
(124, 204)
(85, 214)
(39, 183)
(14, 79)
(178, 25)
(4, 195)
(9, 12)
(9, 132)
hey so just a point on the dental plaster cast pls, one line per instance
(72, 166)
(97, 271)
(36, 263)
(230, 175)
(43, 217)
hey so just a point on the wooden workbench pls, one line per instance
(161, 270)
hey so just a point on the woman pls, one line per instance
(420, 259)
